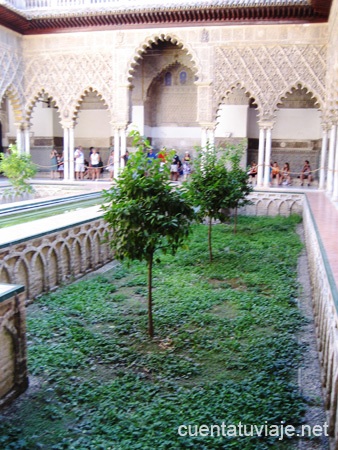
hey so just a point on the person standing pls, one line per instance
(60, 166)
(95, 164)
(53, 163)
(110, 165)
(79, 163)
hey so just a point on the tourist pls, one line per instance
(252, 172)
(275, 172)
(53, 163)
(60, 165)
(95, 164)
(79, 163)
(306, 173)
(285, 176)
(110, 165)
(125, 158)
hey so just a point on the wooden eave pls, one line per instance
(317, 11)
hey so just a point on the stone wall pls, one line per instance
(325, 304)
(43, 262)
(13, 360)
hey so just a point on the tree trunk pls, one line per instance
(209, 239)
(235, 221)
(150, 297)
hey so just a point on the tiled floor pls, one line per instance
(326, 217)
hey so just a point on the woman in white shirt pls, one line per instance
(95, 164)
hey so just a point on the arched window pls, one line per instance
(167, 79)
(183, 77)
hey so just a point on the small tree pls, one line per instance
(208, 187)
(239, 189)
(218, 183)
(145, 214)
(18, 168)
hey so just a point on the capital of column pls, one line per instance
(208, 126)
(266, 124)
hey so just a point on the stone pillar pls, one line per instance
(204, 138)
(211, 137)
(335, 175)
(71, 153)
(27, 140)
(66, 153)
(267, 158)
(19, 138)
(123, 142)
(260, 156)
(117, 153)
(323, 159)
(330, 164)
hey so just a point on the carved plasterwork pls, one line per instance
(268, 72)
(11, 79)
(67, 77)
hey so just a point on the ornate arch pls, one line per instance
(168, 37)
(12, 93)
(300, 85)
(80, 98)
(220, 97)
(34, 98)
(265, 70)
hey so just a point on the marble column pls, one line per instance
(330, 165)
(323, 159)
(267, 158)
(71, 154)
(66, 153)
(260, 156)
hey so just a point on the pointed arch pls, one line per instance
(81, 97)
(5, 275)
(41, 94)
(226, 93)
(13, 95)
(164, 37)
(299, 85)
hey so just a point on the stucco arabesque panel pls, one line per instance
(66, 78)
(11, 80)
(269, 72)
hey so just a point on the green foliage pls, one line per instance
(226, 350)
(18, 168)
(144, 213)
(218, 183)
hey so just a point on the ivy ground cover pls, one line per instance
(225, 350)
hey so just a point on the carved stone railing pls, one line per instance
(325, 305)
(13, 359)
(53, 252)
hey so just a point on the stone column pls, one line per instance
(117, 153)
(204, 138)
(267, 158)
(19, 138)
(260, 156)
(71, 154)
(323, 159)
(27, 140)
(66, 153)
(211, 137)
(335, 176)
(330, 164)
(123, 138)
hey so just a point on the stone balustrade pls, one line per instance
(325, 304)
(13, 360)
(50, 252)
